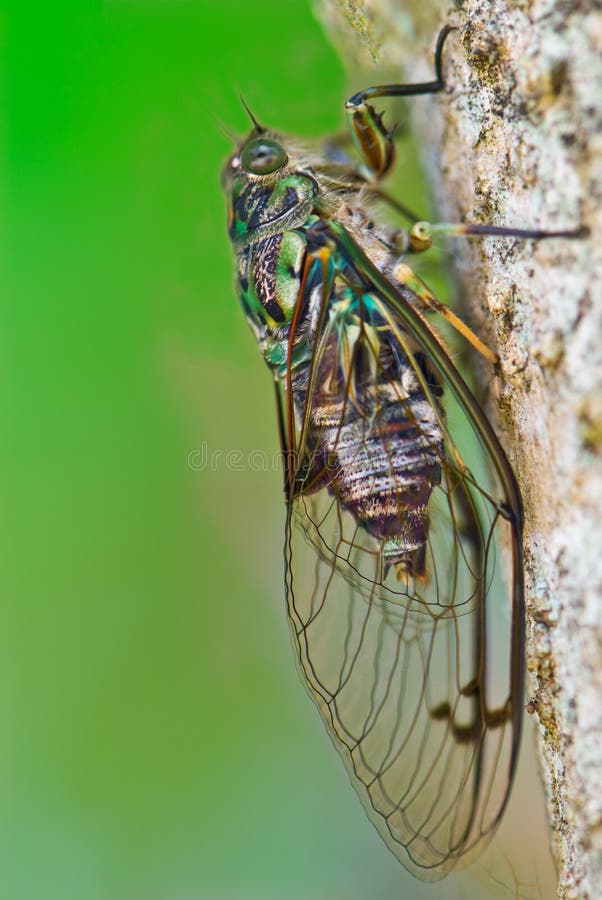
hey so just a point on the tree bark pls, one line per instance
(517, 140)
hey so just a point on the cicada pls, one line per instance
(403, 554)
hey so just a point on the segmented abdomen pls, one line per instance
(376, 441)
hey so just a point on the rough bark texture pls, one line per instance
(517, 140)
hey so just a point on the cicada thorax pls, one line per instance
(374, 437)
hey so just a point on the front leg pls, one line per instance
(373, 141)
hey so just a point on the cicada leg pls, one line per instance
(373, 141)
(403, 274)
(420, 238)
(421, 234)
(376, 147)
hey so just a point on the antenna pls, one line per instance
(258, 128)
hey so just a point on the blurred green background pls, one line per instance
(157, 744)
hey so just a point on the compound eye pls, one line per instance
(262, 156)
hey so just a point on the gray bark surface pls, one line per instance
(517, 140)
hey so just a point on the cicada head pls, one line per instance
(267, 192)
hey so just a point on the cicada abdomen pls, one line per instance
(373, 435)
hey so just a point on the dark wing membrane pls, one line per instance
(403, 563)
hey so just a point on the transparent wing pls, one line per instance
(403, 566)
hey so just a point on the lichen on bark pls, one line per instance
(517, 140)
